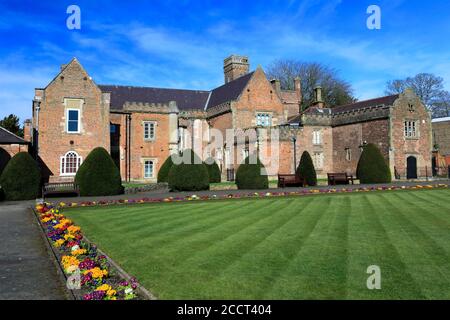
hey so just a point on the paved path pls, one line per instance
(26, 268)
(165, 193)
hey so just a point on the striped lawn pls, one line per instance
(314, 247)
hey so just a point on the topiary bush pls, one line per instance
(98, 175)
(163, 173)
(214, 173)
(21, 178)
(190, 175)
(372, 167)
(306, 169)
(251, 174)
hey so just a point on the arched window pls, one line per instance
(70, 163)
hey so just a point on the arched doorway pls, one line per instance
(411, 167)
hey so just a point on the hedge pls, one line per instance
(189, 175)
(306, 169)
(251, 174)
(21, 178)
(215, 176)
(98, 175)
(372, 167)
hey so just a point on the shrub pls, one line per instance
(2, 194)
(214, 173)
(21, 178)
(252, 175)
(98, 175)
(189, 175)
(306, 169)
(372, 167)
(163, 173)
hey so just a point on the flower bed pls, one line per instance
(302, 192)
(90, 271)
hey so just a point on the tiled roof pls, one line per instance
(185, 99)
(229, 91)
(7, 137)
(386, 101)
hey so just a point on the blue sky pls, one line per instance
(182, 43)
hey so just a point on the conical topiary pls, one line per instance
(98, 175)
(21, 178)
(372, 167)
(213, 171)
(251, 174)
(190, 174)
(163, 173)
(306, 169)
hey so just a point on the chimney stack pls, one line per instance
(234, 67)
(27, 130)
(276, 85)
(298, 91)
(318, 97)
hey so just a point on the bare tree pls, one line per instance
(429, 88)
(335, 91)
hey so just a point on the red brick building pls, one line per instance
(142, 126)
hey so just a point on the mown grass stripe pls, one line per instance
(423, 265)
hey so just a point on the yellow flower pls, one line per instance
(104, 287)
(78, 252)
(111, 292)
(59, 243)
(69, 236)
(68, 261)
(73, 229)
(97, 272)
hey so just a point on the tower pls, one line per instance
(234, 67)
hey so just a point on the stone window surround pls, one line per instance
(155, 124)
(73, 108)
(79, 161)
(416, 135)
(317, 137)
(143, 161)
(269, 114)
(318, 163)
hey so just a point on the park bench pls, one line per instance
(60, 188)
(292, 180)
(339, 178)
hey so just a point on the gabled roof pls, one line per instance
(382, 101)
(185, 99)
(229, 91)
(7, 137)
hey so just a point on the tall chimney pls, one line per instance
(298, 91)
(318, 97)
(276, 85)
(234, 67)
(27, 130)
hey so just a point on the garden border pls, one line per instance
(142, 291)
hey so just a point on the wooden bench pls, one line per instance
(339, 178)
(292, 180)
(60, 188)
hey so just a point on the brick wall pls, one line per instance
(54, 141)
(441, 136)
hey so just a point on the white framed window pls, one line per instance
(317, 137)
(149, 169)
(411, 129)
(149, 130)
(69, 163)
(72, 120)
(318, 160)
(263, 119)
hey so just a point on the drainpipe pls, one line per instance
(129, 147)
